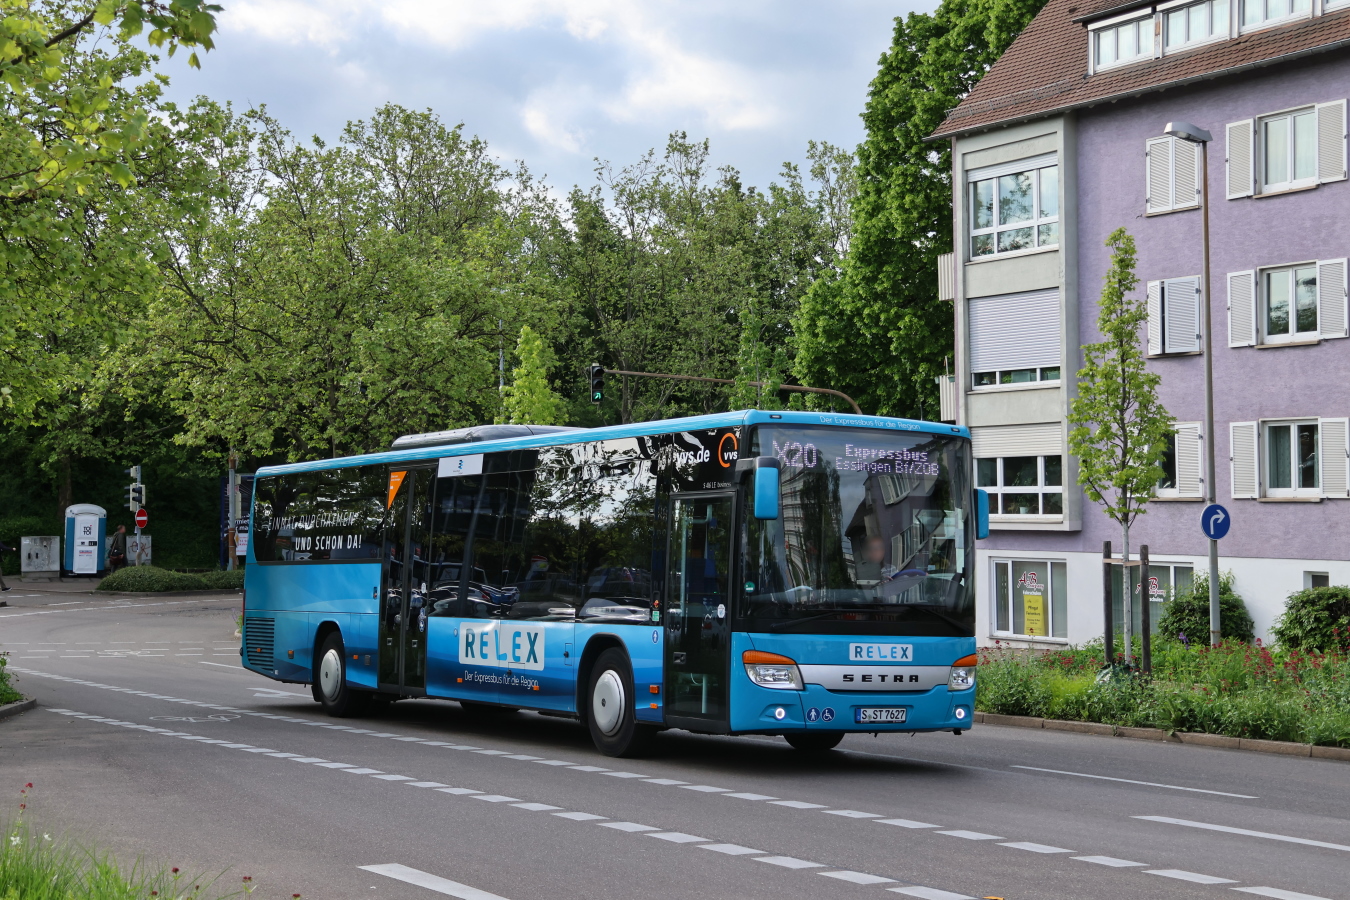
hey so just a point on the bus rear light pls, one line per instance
(770, 670)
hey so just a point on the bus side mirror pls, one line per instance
(766, 487)
(981, 514)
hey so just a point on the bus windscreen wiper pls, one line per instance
(961, 627)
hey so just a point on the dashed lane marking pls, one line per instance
(1108, 861)
(1034, 848)
(1277, 893)
(971, 835)
(857, 877)
(430, 882)
(1172, 787)
(1228, 829)
(927, 893)
(1183, 875)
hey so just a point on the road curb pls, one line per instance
(1199, 739)
(18, 706)
(207, 593)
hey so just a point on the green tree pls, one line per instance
(341, 296)
(529, 400)
(875, 328)
(1120, 428)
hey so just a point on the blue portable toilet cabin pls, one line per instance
(86, 529)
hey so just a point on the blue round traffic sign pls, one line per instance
(1215, 521)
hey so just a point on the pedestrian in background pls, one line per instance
(117, 551)
(4, 548)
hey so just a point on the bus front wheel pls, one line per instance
(814, 741)
(609, 708)
(330, 681)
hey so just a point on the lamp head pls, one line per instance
(1187, 132)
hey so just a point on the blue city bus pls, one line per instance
(784, 573)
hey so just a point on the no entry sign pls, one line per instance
(142, 518)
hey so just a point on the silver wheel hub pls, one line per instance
(607, 701)
(330, 675)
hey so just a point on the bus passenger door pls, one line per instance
(403, 613)
(698, 614)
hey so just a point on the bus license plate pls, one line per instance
(867, 715)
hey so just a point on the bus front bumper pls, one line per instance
(757, 710)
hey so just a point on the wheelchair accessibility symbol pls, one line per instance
(827, 715)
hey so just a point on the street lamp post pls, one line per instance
(1194, 134)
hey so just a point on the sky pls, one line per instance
(559, 83)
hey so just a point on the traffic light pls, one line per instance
(597, 383)
(135, 473)
(135, 496)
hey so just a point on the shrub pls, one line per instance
(149, 579)
(1187, 613)
(1315, 619)
(7, 692)
(224, 580)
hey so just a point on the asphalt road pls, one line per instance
(152, 742)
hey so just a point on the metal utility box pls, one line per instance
(40, 556)
(86, 525)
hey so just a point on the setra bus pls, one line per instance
(785, 573)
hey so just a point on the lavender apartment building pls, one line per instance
(1063, 142)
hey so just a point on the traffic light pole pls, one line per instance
(782, 387)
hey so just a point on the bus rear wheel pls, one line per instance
(814, 741)
(330, 681)
(609, 707)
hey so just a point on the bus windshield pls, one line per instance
(874, 535)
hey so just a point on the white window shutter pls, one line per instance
(1243, 460)
(1181, 299)
(1331, 299)
(1158, 159)
(1240, 171)
(1241, 309)
(1334, 456)
(1331, 141)
(1185, 174)
(1155, 318)
(1189, 480)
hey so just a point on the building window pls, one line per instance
(1165, 581)
(1194, 24)
(1288, 150)
(1017, 376)
(1292, 459)
(1289, 304)
(1172, 175)
(1174, 316)
(1023, 485)
(1123, 43)
(1031, 598)
(1180, 463)
(1013, 211)
(1316, 580)
(1260, 12)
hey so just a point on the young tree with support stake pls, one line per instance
(1120, 428)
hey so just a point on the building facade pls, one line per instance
(1059, 145)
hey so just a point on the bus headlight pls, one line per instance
(770, 670)
(962, 677)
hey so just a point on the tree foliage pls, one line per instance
(875, 328)
(1120, 427)
(528, 399)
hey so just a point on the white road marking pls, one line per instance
(308, 759)
(1277, 893)
(730, 849)
(927, 893)
(746, 795)
(620, 774)
(497, 798)
(852, 814)
(904, 823)
(491, 752)
(589, 768)
(1108, 861)
(554, 762)
(1183, 875)
(459, 791)
(798, 804)
(525, 757)
(679, 837)
(971, 835)
(223, 666)
(334, 765)
(426, 784)
(430, 882)
(704, 788)
(578, 816)
(857, 877)
(535, 807)
(628, 826)
(1173, 787)
(788, 862)
(1034, 848)
(392, 777)
(665, 781)
(362, 771)
(1167, 820)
